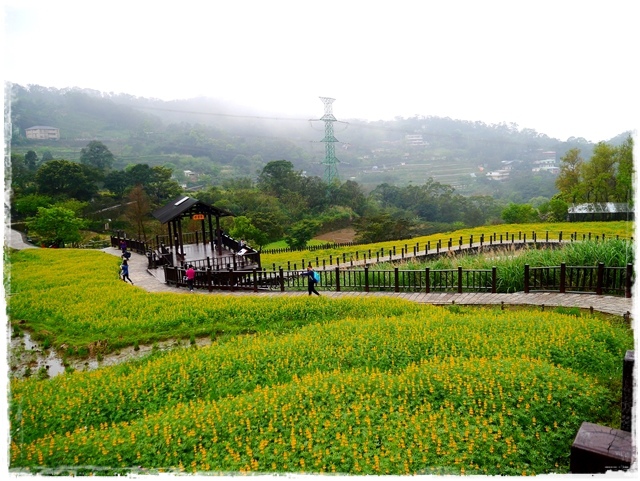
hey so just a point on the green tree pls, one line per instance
(56, 226)
(74, 205)
(569, 179)
(21, 177)
(117, 182)
(31, 160)
(97, 155)
(138, 209)
(278, 177)
(156, 181)
(479, 210)
(162, 187)
(599, 174)
(350, 194)
(301, 233)
(519, 214)
(62, 178)
(558, 209)
(242, 228)
(27, 206)
(624, 179)
(382, 227)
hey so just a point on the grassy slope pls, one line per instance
(609, 229)
(434, 380)
(363, 385)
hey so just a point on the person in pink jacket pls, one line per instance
(191, 275)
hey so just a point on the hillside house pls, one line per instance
(498, 174)
(43, 132)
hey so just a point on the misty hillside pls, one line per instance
(219, 141)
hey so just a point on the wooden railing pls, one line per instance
(600, 280)
(133, 245)
(159, 253)
(365, 280)
(580, 279)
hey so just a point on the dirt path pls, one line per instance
(338, 236)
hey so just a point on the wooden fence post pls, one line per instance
(494, 279)
(627, 391)
(366, 278)
(255, 280)
(281, 272)
(600, 278)
(526, 278)
(459, 279)
(396, 280)
(426, 281)
(627, 287)
(563, 277)
(337, 279)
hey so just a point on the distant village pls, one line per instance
(546, 163)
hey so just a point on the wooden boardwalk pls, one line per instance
(145, 279)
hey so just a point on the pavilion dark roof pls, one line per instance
(185, 206)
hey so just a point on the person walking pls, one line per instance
(190, 275)
(313, 278)
(124, 271)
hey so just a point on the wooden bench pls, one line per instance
(598, 449)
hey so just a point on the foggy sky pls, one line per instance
(562, 68)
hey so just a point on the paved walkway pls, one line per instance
(14, 238)
(144, 278)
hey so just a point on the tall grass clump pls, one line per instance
(510, 263)
(579, 230)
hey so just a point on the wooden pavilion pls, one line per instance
(208, 248)
(188, 207)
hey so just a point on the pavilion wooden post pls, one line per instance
(212, 236)
(204, 235)
(176, 237)
(179, 224)
(170, 239)
(219, 235)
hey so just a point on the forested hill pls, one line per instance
(219, 140)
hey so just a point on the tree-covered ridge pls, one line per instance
(219, 142)
(281, 204)
(273, 186)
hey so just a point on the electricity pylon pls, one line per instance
(330, 160)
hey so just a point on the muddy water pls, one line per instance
(25, 353)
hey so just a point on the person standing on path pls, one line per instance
(124, 270)
(311, 276)
(191, 275)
